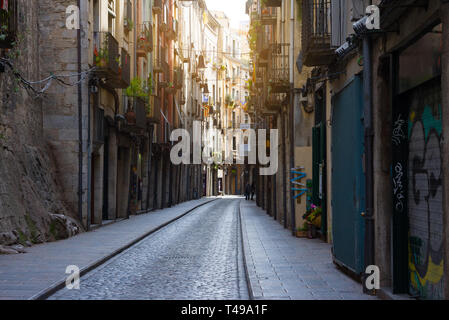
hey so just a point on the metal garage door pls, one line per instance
(348, 181)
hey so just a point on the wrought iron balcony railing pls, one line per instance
(274, 103)
(8, 24)
(144, 39)
(316, 32)
(268, 16)
(110, 65)
(279, 70)
(106, 55)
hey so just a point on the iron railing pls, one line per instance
(140, 108)
(279, 70)
(106, 54)
(144, 39)
(316, 32)
(125, 69)
(268, 16)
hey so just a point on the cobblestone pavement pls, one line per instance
(28, 276)
(197, 257)
(282, 267)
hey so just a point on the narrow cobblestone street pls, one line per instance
(201, 256)
(197, 257)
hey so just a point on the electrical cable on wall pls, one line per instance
(46, 82)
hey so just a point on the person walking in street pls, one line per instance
(253, 191)
(247, 191)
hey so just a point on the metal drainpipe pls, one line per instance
(89, 161)
(149, 164)
(80, 125)
(369, 137)
(284, 146)
(292, 111)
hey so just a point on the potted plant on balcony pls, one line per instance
(170, 89)
(229, 102)
(101, 57)
(135, 90)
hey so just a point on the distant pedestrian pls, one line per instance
(253, 190)
(247, 191)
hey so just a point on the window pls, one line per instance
(111, 17)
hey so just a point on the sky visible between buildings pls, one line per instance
(234, 9)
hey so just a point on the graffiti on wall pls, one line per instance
(425, 203)
(297, 185)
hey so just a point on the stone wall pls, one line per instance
(32, 209)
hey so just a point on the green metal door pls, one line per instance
(348, 180)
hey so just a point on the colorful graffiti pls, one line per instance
(425, 203)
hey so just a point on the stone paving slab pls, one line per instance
(41, 270)
(282, 267)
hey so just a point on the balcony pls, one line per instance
(157, 6)
(279, 70)
(128, 18)
(178, 77)
(274, 102)
(268, 16)
(273, 3)
(316, 32)
(106, 56)
(136, 114)
(8, 25)
(144, 39)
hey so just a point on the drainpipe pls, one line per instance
(284, 149)
(150, 152)
(369, 138)
(80, 125)
(89, 161)
(292, 111)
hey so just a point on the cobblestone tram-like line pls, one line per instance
(198, 257)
